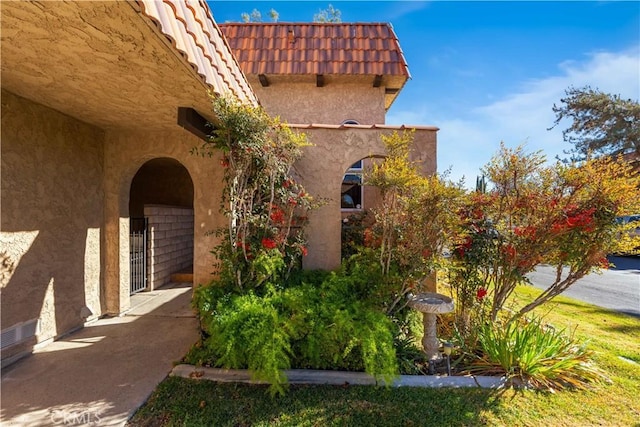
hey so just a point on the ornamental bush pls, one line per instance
(261, 313)
(313, 325)
(561, 215)
(413, 223)
(265, 206)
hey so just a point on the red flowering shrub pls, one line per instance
(277, 216)
(265, 206)
(268, 243)
(561, 215)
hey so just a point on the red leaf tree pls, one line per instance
(534, 213)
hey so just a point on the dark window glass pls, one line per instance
(351, 192)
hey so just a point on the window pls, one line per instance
(350, 122)
(351, 192)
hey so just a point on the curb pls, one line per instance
(317, 377)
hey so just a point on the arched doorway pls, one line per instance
(161, 224)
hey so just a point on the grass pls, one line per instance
(612, 336)
(179, 402)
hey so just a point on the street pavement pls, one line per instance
(617, 288)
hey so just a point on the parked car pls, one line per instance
(629, 219)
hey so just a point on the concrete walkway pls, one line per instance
(101, 374)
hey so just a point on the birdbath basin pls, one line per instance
(430, 304)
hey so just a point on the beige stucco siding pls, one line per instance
(304, 102)
(103, 62)
(322, 168)
(64, 235)
(52, 213)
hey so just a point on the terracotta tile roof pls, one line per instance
(315, 48)
(374, 126)
(189, 25)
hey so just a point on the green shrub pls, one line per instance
(353, 228)
(248, 332)
(411, 359)
(310, 277)
(533, 355)
(299, 325)
(266, 209)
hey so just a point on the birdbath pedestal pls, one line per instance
(430, 304)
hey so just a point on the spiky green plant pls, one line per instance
(532, 354)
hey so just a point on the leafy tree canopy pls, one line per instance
(256, 16)
(328, 15)
(602, 123)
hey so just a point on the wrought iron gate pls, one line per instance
(138, 254)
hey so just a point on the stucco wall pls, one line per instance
(51, 219)
(322, 169)
(125, 153)
(100, 61)
(334, 103)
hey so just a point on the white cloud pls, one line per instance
(468, 141)
(402, 8)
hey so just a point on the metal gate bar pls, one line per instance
(138, 254)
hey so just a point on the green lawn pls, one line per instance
(615, 338)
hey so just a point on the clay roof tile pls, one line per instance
(368, 49)
(190, 28)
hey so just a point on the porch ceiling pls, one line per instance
(105, 63)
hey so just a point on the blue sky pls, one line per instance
(485, 72)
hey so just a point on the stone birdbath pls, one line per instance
(430, 304)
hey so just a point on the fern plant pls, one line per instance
(302, 326)
(248, 332)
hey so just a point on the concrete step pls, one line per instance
(185, 276)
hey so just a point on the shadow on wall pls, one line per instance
(48, 282)
(52, 212)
